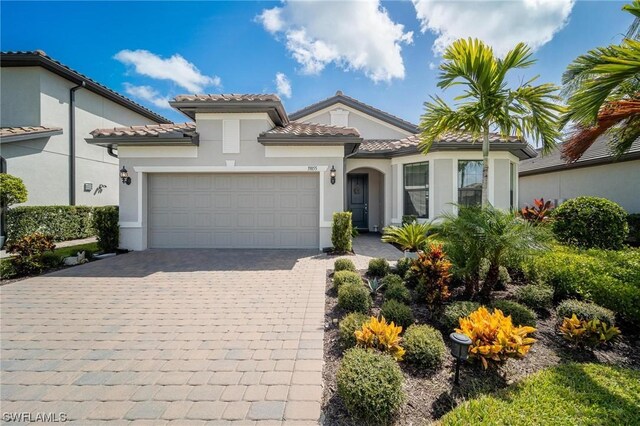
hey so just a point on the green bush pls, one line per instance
(402, 266)
(398, 312)
(12, 190)
(341, 231)
(585, 311)
(590, 222)
(370, 385)
(348, 325)
(105, 222)
(454, 312)
(520, 314)
(62, 223)
(535, 296)
(424, 346)
(30, 252)
(346, 277)
(378, 267)
(354, 298)
(634, 227)
(396, 290)
(344, 265)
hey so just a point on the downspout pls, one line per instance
(72, 143)
(110, 152)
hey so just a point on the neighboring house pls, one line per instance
(596, 173)
(42, 139)
(246, 174)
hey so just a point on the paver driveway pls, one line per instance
(161, 336)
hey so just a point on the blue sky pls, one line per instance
(375, 52)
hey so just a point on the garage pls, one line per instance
(233, 210)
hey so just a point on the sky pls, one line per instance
(383, 53)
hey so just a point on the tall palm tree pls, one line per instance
(603, 90)
(487, 103)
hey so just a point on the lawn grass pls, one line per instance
(73, 250)
(569, 394)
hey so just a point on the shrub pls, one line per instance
(633, 220)
(390, 280)
(432, 270)
(590, 222)
(455, 311)
(538, 213)
(30, 251)
(590, 333)
(520, 314)
(341, 231)
(105, 222)
(411, 236)
(402, 266)
(378, 267)
(346, 277)
(535, 296)
(381, 335)
(585, 311)
(397, 291)
(12, 190)
(424, 345)
(370, 385)
(349, 324)
(354, 298)
(495, 338)
(397, 312)
(409, 218)
(62, 223)
(7, 270)
(344, 265)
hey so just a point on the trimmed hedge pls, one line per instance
(344, 265)
(354, 298)
(520, 314)
(349, 324)
(454, 312)
(634, 227)
(396, 290)
(105, 222)
(535, 296)
(346, 277)
(60, 222)
(341, 232)
(424, 345)
(585, 311)
(378, 267)
(398, 312)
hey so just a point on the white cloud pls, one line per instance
(283, 85)
(147, 93)
(354, 35)
(501, 24)
(175, 68)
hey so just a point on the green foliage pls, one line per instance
(590, 333)
(634, 227)
(60, 222)
(354, 298)
(398, 312)
(7, 270)
(375, 285)
(88, 248)
(424, 346)
(409, 218)
(378, 267)
(344, 265)
(608, 278)
(535, 296)
(588, 222)
(105, 222)
(520, 314)
(402, 266)
(454, 312)
(30, 253)
(348, 325)
(12, 190)
(370, 385)
(341, 232)
(585, 311)
(411, 236)
(396, 290)
(346, 277)
(391, 279)
(569, 394)
(432, 271)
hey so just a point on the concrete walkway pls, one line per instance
(369, 244)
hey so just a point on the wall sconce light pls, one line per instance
(460, 350)
(124, 175)
(333, 175)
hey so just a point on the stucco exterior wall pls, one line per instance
(619, 182)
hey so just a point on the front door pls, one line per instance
(358, 199)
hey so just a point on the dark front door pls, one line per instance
(358, 199)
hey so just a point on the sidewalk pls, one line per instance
(4, 254)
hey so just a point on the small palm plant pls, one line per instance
(410, 237)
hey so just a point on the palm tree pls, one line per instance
(603, 90)
(487, 103)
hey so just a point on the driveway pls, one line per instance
(169, 336)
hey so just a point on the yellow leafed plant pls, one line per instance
(382, 336)
(494, 337)
(587, 333)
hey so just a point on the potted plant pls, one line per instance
(410, 237)
(12, 191)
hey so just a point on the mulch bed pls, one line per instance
(430, 395)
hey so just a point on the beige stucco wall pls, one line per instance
(619, 182)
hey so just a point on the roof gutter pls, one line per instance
(72, 142)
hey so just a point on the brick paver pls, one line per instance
(169, 335)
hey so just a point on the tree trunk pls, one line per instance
(485, 168)
(489, 282)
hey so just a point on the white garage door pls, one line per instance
(265, 210)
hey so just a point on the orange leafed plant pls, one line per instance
(494, 337)
(382, 336)
(537, 213)
(433, 270)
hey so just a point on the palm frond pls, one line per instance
(634, 29)
(541, 107)
(439, 119)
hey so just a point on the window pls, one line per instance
(512, 185)
(416, 189)
(470, 182)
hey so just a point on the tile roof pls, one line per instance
(311, 129)
(151, 130)
(597, 153)
(40, 58)
(27, 130)
(231, 97)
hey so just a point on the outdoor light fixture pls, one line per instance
(124, 175)
(460, 350)
(333, 175)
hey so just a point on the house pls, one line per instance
(597, 173)
(47, 111)
(245, 174)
